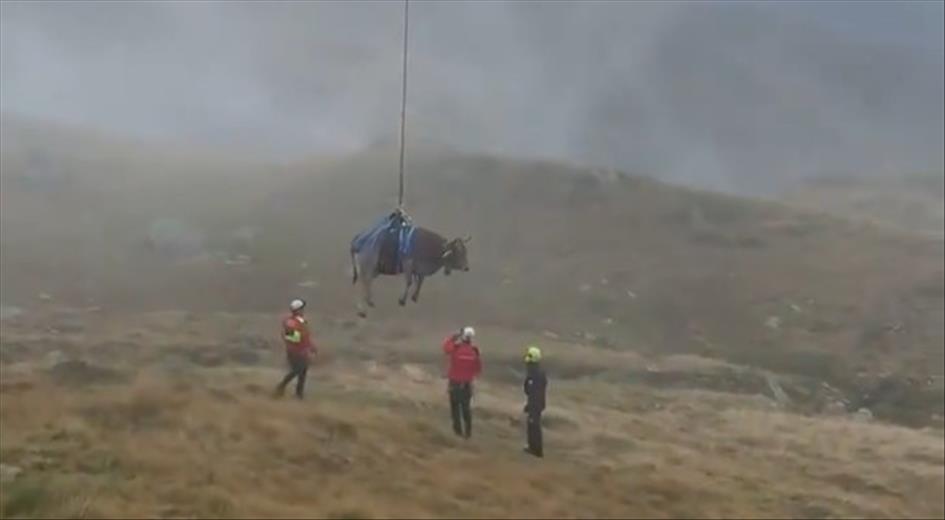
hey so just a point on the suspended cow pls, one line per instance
(393, 247)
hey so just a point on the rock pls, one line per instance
(773, 322)
(607, 321)
(550, 335)
(8, 472)
(863, 415)
(605, 282)
(308, 284)
(795, 308)
(45, 297)
(631, 294)
(584, 287)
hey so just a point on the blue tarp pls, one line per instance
(371, 239)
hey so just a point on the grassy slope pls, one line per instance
(706, 272)
(176, 424)
(171, 415)
(912, 203)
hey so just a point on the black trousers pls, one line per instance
(298, 369)
(533, 434)
(460, 400)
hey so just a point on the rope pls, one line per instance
(403, 112)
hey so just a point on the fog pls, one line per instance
(734, 96)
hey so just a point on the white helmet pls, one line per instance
(468, 333)
(297, 305)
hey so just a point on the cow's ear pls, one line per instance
(467, 238)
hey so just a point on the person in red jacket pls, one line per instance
(464, 366)
(298, 348)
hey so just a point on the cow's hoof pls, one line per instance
(362, 314)
(402, 302)
(370, 304)
(414, 299)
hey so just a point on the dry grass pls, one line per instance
(373, 441)
(658, 298)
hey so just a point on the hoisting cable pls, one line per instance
(403, 111)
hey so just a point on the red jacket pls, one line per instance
(465, 363)
(296, 336)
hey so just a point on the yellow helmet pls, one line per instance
(532, 354)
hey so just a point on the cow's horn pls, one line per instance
(467, 238)
(447, 253)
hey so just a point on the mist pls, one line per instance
(733, 96)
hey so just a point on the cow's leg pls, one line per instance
(368, 272)
(365, 295)
(416, 292)
(365, 299)
(354, 267)
(368, 296)
(409, 281)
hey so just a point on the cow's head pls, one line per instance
(454, 255)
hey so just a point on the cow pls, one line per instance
(429, 253)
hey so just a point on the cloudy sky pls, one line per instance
(729, 95)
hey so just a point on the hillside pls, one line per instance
(910, 203)
(169, 415)
(597, 257)
(714, 355)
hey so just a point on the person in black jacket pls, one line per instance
(535, 384)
